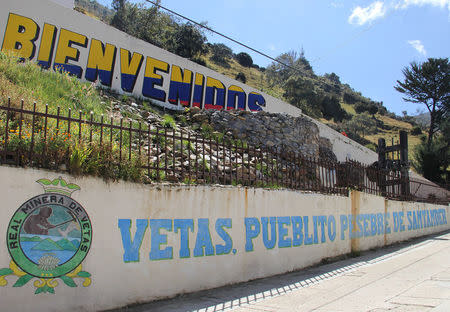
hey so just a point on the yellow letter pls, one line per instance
(20, 34)
(101, 62)
(65, 52)
(214, 94)
(180, 86)
(46, 47)
(129, 69)
(151, 78)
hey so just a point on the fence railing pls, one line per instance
(119, 148)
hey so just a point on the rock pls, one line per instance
(326, 149)
(152, 119)
(244, 174)
(194, 110)
(199, 118)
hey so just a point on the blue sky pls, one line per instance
(366, 43)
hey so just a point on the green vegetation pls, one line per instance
(94, 9)
(241, 77)
(323, 97)
(221, 54)
(52, 139)
(429, 83)
(29, 82)
(168, 122)
(432, 161)
(244, 59)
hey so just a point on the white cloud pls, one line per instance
(336, 4)
(368, 14)
(378, 9)
(272, 47)
(403, 4)
(417, 44)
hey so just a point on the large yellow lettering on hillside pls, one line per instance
(178, 75)
(214, 94)
(65, 51)
(130, 66)
(20, 34)
(180, 86)
(47, 45)
(197, 100)
(152, 79)
(101, 62)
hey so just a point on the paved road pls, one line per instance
(407, 277)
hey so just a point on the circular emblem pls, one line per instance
(49, 235)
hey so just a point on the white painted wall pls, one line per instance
(116, 283)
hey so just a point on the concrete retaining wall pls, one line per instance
(151, 242)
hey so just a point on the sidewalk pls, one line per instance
(414, 276)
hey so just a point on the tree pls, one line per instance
(221, 54)
(120, 18)
(372, 109)
(189, 41)
(297, 65)
(428, 83)
(300, 92)
(244, 59)
(333, 77)
(360, 107)
(331, 108)
(278, 73)
(148, 24)
(350, 98)
(432, 160)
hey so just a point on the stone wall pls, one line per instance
(269, 130)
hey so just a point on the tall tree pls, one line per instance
(428, 83)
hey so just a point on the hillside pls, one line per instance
(322, 97)
(131, 139)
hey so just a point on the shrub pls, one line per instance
(241, 77)
(244, 59)
(416, 130)
(432, 161)
(221, 54)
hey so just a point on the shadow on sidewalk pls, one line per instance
(236, 295)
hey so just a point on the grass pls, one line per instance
(348, 108)
(168, 122)
(28, 82)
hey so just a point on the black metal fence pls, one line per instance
(116, 148)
